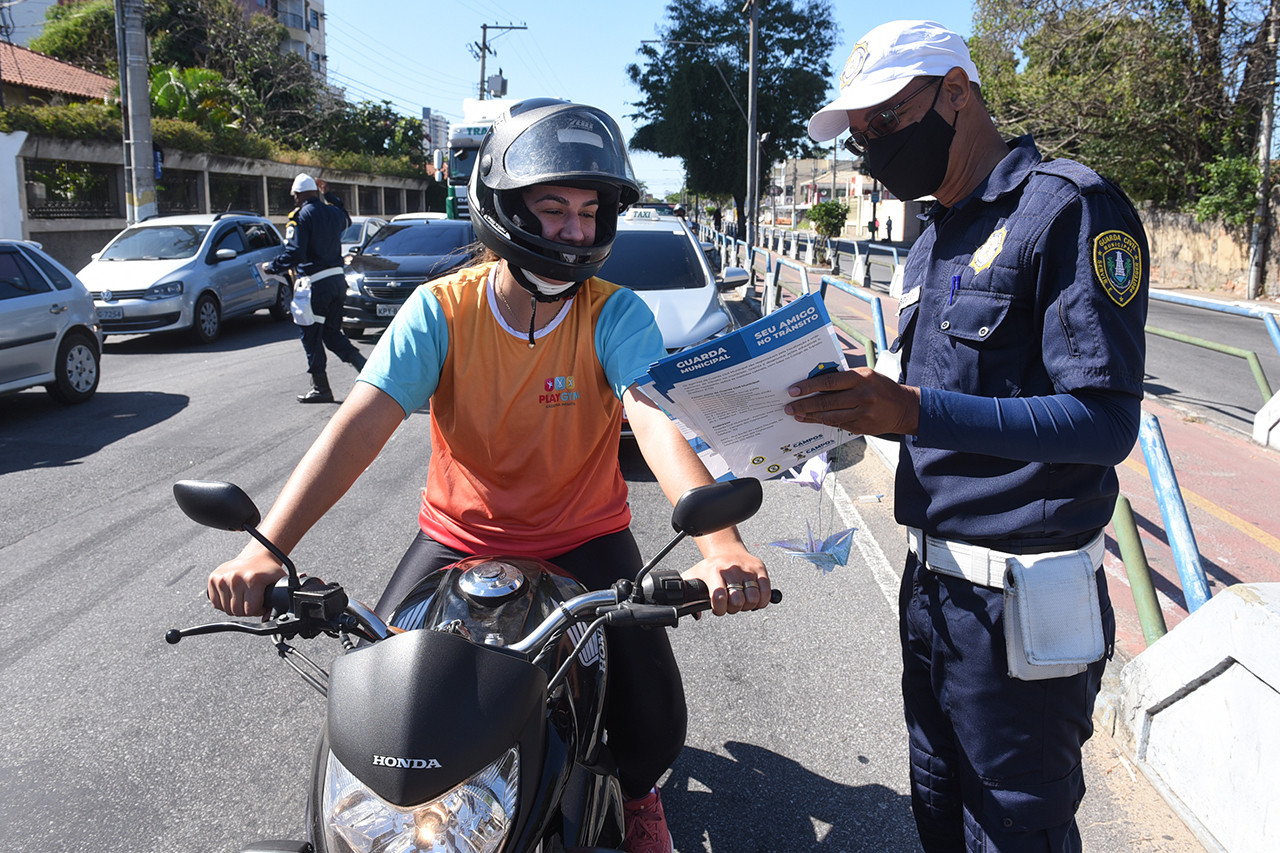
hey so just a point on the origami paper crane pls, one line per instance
(825, 554)
(811, 474)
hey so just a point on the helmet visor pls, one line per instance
(570, 146)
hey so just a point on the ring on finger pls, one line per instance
(751, 584)
(735, 587)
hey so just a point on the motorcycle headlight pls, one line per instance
(472, 818)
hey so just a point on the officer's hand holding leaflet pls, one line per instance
(860, 401)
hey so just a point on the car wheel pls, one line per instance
(208, 320)
(280, 308)
(76, 370)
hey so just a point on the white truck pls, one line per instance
(464, 140)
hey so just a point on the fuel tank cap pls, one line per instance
(491, 581)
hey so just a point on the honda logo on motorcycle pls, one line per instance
(405, 763)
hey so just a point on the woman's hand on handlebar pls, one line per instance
(239, 587)
(736, 579)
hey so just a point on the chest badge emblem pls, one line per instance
(988, 251)
(1117, 262)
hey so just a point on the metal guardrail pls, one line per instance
(877, 310)
(1150, 617)
(1177, 524)
(1267, 317)
(1248, 355)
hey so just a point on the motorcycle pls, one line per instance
(473, 720)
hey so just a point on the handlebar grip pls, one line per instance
(275, 599)
(666, 586)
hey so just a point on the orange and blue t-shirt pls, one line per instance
(524, 442)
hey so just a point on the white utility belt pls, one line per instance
(325, 273)
(976, 564)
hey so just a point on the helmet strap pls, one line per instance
(528, 284)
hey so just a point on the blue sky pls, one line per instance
(414, 53)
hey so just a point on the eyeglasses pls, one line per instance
(882, 123)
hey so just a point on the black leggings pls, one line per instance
(646, 718)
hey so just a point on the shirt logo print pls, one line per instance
(558, 390)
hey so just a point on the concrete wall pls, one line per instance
(72, 241)
(1205, 256)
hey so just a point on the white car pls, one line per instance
(186, 272)
(659, 258)
(49, 331)
(359, 232)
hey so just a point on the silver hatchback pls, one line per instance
(186, 272)
(48, 327)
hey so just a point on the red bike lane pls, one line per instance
(1228, 485)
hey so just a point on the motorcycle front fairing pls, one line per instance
(417, 714)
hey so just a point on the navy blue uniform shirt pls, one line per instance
(1033, 285)
(313, 240)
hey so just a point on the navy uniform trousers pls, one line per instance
(1009, 780)
(328, 295)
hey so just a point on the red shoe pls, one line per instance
(646, 825)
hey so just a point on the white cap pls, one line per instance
(304, 183)
(883, 62)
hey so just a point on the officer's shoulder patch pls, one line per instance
(1117, 263)
(988, 251)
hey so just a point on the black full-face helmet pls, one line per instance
(548, 141)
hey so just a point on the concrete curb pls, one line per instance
(1197, 710)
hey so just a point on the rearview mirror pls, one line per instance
(225, 255)
(707, 509)
(223, 506)
(733, 277)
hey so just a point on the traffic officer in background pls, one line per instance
(1021, 348)
(313, 248)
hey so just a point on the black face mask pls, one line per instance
(912, 162)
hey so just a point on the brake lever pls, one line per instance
(286, 624)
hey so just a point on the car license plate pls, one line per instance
(110, 313)
(388, 310)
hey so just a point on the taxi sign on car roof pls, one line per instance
(634, 213)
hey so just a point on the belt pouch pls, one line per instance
(300, 306)
(1052, 620)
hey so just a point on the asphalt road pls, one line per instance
(115, 741)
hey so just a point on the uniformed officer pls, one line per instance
(1021, 345)
(313, 247)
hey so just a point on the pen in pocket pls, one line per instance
(955, 282)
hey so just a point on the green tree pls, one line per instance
(1148, 92)
(694, 87)
(374, 128)
(83, 34)
(277, 92)
(198, 95)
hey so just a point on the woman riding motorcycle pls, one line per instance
(527, 362)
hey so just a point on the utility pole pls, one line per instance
(135, 108)
(753, 153)
(835, 166)
(1260, 238)
(485, 50)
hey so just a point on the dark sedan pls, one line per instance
(401, 256)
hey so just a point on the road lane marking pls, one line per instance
(885, 577)
(1224, 515)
